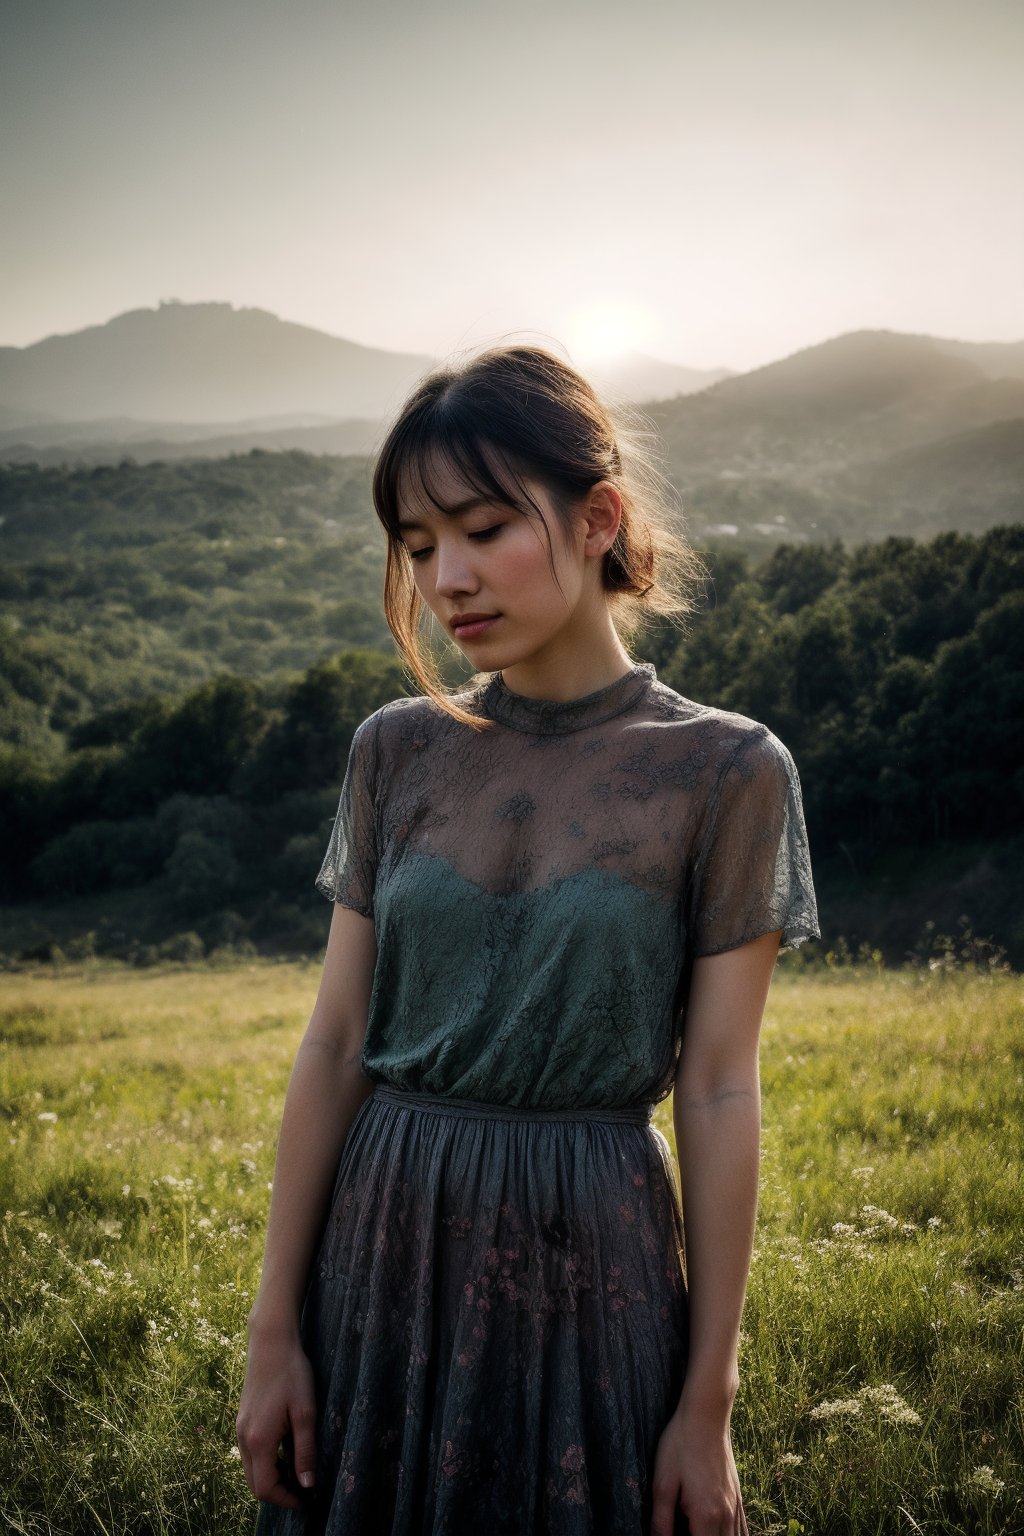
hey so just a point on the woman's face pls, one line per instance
(489, 564)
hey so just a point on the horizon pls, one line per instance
(610, 357)
(714, 186)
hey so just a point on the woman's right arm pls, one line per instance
(325, 1093)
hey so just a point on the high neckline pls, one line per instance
(558, 717)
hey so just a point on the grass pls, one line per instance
(883, 1332)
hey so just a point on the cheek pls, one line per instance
(525, 564)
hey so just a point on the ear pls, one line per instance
(602, 514)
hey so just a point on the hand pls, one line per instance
(278, 1400)
(695, 1471)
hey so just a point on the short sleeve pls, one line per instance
(349, 869)
(752, 872)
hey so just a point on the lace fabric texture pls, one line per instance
(541, 889)
(497, 1316)
(498, 1328)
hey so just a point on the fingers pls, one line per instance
(265, 1471)
(267, 1481)
(303, 1422)
(663, 1512)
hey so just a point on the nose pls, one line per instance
(454, 572)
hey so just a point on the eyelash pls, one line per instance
(481, 533)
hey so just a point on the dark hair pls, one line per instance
(516, 412)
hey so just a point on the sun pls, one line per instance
(602, 331)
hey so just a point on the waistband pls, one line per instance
(443, 1104)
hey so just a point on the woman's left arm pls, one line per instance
(717, 1117)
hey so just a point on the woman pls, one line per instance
(559, 895)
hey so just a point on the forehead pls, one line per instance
(434, 486)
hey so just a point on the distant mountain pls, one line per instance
(202, 363)
(632, 376)
(12, 417)
(88, 443)
(999, 359)
(828, 407)
(973, 480)
(125, 429)
(212, 379)
(863, 434)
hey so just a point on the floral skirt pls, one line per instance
(497, 1321)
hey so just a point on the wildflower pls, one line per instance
(890, 1404)
(790, 1459)
(844, 1407)
(934, 1221)
(984, 1480)
(862, 1173)
(884, 1217)
(884, 1398)
(234, 1454)
(903, 1415)
(48, 1116)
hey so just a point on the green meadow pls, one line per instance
(883, 1335)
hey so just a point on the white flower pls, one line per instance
(902, 1415)
(790, 1459)
(840, 1407)
(885, 1398)
(985, 1481)
(49, 1116)
(880, 1215)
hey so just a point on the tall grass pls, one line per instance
(883, 1333)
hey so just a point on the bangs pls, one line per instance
(427, 454)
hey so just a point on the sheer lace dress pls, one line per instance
(540, 890)
(497, 1313)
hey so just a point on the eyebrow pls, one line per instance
(455, 511)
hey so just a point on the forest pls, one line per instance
(181, 680)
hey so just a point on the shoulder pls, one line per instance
(403, 727)
(729, 742)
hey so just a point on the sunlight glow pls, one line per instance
(599, 332)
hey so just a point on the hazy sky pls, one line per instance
(716, 182)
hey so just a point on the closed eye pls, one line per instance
(480, 533)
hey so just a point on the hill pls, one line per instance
(843, 440)
(202, 363)
(204, 380)
(634, 376)
(832, 405)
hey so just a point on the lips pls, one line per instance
(469, 620)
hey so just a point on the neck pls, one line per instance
(573, 667)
